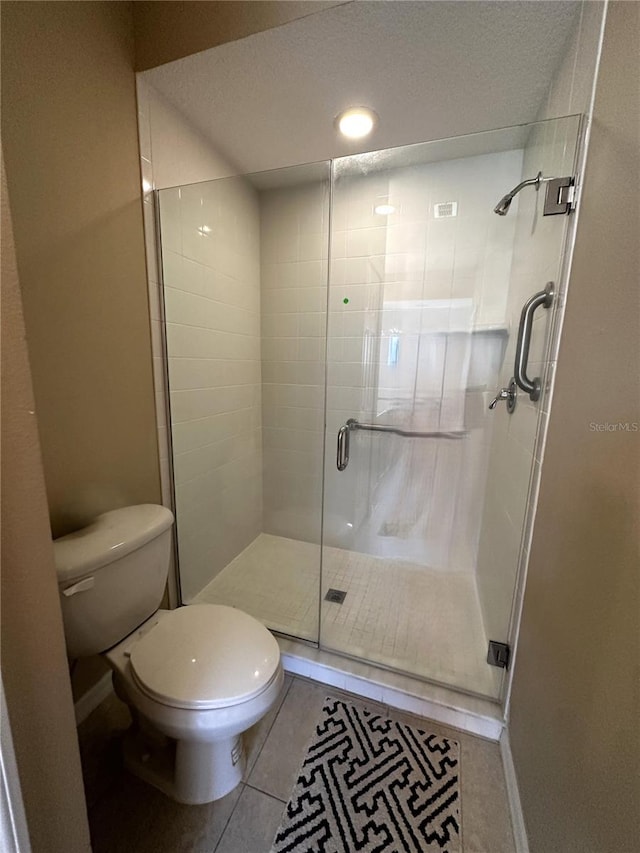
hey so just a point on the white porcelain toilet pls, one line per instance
(194, 678)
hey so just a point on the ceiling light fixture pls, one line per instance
(356, 122)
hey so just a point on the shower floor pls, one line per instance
(395, 613)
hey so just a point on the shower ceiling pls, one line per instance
(429, 69)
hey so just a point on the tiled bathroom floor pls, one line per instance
(396, 613)
(128, 816)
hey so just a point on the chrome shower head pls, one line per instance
(502, 207)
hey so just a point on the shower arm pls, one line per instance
(560, 196)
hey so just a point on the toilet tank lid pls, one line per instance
(107, 538)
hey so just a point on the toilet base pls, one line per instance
(190, 772)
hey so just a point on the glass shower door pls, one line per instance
(244, 263)
(426, 288)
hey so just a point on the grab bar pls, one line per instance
(530, 386)
(343, 447)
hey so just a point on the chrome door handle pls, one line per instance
(342, 459)
(544, 299)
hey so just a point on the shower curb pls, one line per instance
(471, 714)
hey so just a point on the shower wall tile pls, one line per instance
(212, 304)
(190, 435)
(194, 373)
(203, 402)
(294, 246)
(517, 441)
(194, 342)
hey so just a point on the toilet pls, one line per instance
(194, 678)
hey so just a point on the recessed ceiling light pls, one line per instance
(356, 122)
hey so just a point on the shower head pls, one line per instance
(502, 207)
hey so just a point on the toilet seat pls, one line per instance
(203, 657)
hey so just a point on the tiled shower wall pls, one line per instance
(537, 258)
(211, 250)
(294, 246)
(515, 460)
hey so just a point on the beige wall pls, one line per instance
(34, 664)
(170, 30)
(70, 137)
(574, 707)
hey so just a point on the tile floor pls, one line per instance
(396, 613)
(127, 816)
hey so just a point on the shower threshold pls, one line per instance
(473, 714)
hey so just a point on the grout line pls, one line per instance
(228, 821)
(286, 693)
(211, 299)
(264, 793)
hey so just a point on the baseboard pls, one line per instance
(93, 697)
(513, 795)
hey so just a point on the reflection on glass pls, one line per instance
(245, 270)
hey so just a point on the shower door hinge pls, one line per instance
(560, 196)
(498, 654)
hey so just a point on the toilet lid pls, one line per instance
(205, 656)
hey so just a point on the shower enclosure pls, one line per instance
(335, 336)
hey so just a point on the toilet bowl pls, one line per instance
(200, 675)
(194, 678)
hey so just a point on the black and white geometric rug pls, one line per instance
(372, 784)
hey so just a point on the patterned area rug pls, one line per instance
(373, 784)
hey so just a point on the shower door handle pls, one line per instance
(342, 459)
(544, 299)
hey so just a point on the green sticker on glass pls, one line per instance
(346, 300)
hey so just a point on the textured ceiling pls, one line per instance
(429, 69)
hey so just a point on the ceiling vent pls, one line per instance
(445, 209)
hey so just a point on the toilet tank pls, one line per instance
(112, 575)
